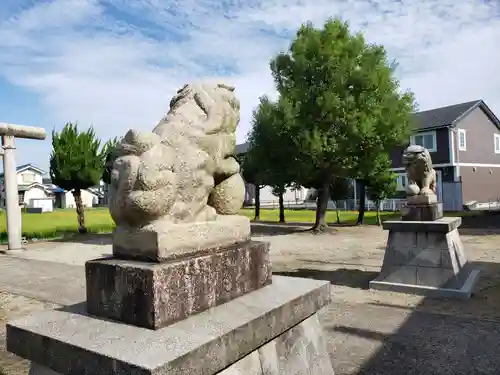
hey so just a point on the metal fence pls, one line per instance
(343, 205)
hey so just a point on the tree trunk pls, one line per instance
(282, 207)
(337, 210)
(77, 194)
(321, 206)
(257, 203)
(362, 201)
(378, 214)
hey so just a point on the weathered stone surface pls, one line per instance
(422, 212)
(420, 174)
(161, 181)
(421, 200)
(180, 240)
(300, 350)
(71, 342)
(443, 225)
(431, 263)
(153, 295)
(228, 196)
(22, 131)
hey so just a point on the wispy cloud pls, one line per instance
(115, 64)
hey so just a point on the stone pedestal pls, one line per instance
(422, 212)
(174, 241)
(217, 312)
(271, 331)
(153, 295)
(426, 258)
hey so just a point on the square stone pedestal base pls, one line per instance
(271, 331)
(422, 212)
(153, 295)
(426, 258)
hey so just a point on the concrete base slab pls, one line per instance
(428, 291)
(272, 321)
(300, 350)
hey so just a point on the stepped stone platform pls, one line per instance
(426, 258)
(274, 330)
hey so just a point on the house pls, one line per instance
(267, 198)
(33, 189)
(29, 184)
(464, 143)
(65, 199)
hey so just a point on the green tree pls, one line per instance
(346, 103)
(340, 189)
(76, 163)
(108, 150)
(270, 147)
(251, 175)
(279, 191)
(382, 184)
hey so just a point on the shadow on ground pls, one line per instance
(278, 229)
(424, 344)
(351, 278)
(435, 337)
(88, 238)
(479, 231)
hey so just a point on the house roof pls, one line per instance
(23, 167)
(29, 186)
(444, 116)
(432, 118)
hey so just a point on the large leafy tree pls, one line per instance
(270, 147)
(76, 163)
(346, 102)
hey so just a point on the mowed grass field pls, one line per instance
(64, 222)
(61, 223)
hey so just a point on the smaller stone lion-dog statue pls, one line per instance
(421, 176)
(178, 188)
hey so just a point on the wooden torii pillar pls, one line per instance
(9, 132)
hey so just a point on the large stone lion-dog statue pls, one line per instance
(421, 176)
(183, 171)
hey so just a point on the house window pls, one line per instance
(462, 144)
(401, 182)
(28, 178)
(497, 143)
(427, 140)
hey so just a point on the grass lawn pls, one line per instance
(308, 216)
(61, 223)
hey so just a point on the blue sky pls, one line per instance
(115, 64)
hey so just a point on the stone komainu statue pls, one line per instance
(421, 176)
(184, 170)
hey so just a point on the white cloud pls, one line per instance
(115, 64)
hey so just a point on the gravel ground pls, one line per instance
(13, 306)
(360, 323)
